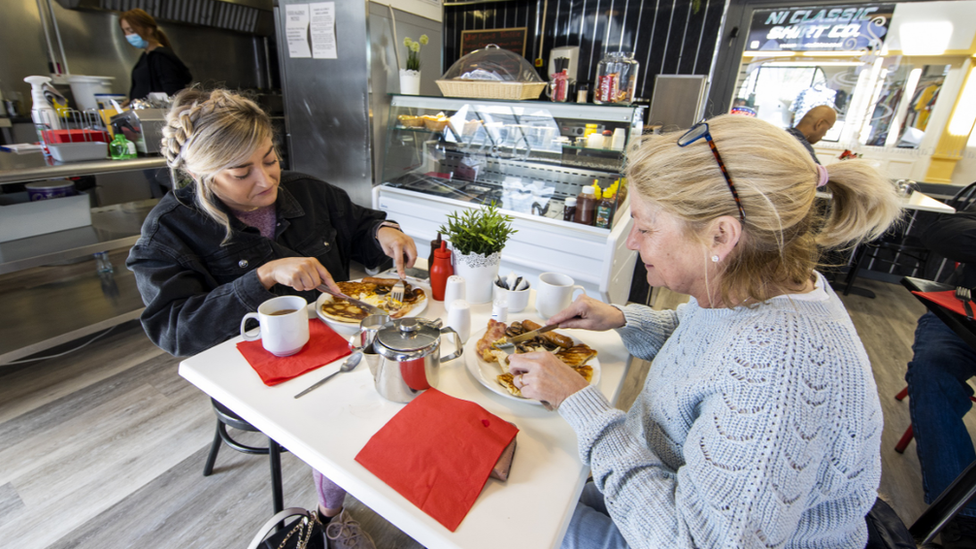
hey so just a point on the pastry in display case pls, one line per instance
(529, 157)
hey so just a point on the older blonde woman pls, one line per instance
(759, 423)
(244, 232)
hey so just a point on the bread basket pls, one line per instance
(480, 89)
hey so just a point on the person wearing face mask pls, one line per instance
(158, 68)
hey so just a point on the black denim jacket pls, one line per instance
(196, 290)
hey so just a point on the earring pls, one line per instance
(714, 259)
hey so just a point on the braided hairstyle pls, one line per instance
(207, 132)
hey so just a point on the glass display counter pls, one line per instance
(445, 155)
(526, 156)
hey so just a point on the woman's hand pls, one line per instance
(398, 246)
(542, 376)
(301, 273)
(589, 314)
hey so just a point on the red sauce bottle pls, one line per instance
(440, 271)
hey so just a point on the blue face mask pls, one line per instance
(137, 41)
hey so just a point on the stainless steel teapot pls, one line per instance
(409, 357)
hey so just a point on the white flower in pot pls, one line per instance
(478, 236)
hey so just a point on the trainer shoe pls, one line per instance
(345, 533)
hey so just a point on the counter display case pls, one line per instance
(446, 154)
(526, 156)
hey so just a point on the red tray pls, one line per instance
(74, 136)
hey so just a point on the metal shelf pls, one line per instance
(113, 227)
(44, 316)
(33, 166)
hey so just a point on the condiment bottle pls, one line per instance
(604, 209)
(434, 245)
(607, 139)
(590, 129)
(440, 271)
(569, 209)
(586, 205)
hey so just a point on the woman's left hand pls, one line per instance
(542, 376)
(398, 246)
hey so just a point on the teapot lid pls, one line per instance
(412, 336)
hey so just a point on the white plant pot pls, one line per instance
(479, 274)
(409, 82)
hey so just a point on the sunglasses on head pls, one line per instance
(699, 131)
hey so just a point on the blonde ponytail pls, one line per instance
(862, 207)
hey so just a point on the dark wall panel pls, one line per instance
(666, 36)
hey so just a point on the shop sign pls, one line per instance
(844, 27)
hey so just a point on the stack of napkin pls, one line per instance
(438, 452)
(324, 347)
(946, 299)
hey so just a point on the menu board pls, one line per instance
(509, 39)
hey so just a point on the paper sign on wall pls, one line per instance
(296, 30)
(323, 30)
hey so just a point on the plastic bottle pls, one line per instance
(586, 205)
(569, 209)
(440, 271)
(42, 113)
(121, 148)
(434, 245)
(604, 210)
(607, 139)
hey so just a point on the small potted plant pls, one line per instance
(478, 236)
(410, 76)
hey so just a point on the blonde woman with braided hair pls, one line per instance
(759, 423)
(244, 232)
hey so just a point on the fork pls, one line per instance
(963, 294)
(396, 294)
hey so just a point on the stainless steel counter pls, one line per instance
(34, 166)
(112, 227)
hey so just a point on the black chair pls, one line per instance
(226, 417)
(901, 248)
(887, 531)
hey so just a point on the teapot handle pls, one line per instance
(457, 344)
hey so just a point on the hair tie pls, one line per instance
(823, 177)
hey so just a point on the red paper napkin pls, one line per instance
(438, 452)
(946, 299)
(324, 346)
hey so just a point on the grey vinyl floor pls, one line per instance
(105, 446)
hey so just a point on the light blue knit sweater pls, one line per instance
(756, 427)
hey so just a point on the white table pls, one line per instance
(328, 427)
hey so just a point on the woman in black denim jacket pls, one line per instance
(244, 232)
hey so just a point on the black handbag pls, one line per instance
(306, 532)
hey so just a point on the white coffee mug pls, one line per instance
(554, 293)
(283, 329)
(453, 290)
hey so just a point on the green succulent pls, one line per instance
(479, 230)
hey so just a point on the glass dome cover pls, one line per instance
(492, 64)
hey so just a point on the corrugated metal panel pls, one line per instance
(211, 13)
(666, 36)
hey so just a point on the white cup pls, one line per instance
(453, 290)
(459, 318)
(517, 301)
(554, 293)
(283, 323)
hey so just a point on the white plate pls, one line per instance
(352, 328)
(487, 372)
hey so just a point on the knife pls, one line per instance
(509, 346)
(373, 309)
